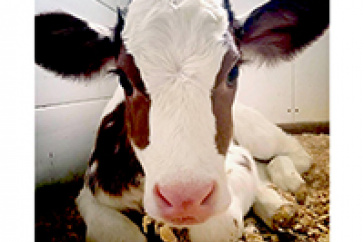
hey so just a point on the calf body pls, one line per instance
(170, 143)
(122, 194)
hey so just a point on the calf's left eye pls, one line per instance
(233, 76)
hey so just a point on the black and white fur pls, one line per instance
(118, 182)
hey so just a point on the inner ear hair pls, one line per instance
(280, 29)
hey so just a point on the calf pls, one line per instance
(166, 145)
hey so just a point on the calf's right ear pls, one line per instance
(280, 29)
(73, 47)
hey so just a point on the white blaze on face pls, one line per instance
(178, 50)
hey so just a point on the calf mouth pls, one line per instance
(187, 220)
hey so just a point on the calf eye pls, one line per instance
(233, 76)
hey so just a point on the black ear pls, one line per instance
(279, 29)
(70, 46)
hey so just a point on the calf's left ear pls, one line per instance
(72, 47)
(279, 29)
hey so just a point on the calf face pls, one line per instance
(189, 119)
(178, 64)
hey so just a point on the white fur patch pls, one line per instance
(176, 43)
(265, 140)
(178, 48)
(182, 145)
(243, 185)
(105, 223)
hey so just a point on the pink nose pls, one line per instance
(185, 204)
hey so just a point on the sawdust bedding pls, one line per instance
(312, 221)
(57, 219)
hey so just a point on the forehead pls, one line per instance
(145, 13)
(171, 41)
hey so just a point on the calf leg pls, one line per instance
(283, 173)
(105, 223)
(272, 208)
(275, 210)
(301, 160)
(264, 140)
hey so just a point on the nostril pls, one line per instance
(161, 197)
(185, 196)
(186, 203)
(208, 198)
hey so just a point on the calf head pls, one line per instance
(178, 64)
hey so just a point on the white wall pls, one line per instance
(297, 91)
(67, 113)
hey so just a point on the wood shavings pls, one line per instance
(167, 234)
(301, 194)
(163, 230)
(253, 238)
(311, 223)
(146, 221)
(283, 218)
(251, 233)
